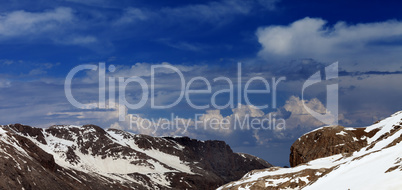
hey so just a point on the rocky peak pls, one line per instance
(27, 131)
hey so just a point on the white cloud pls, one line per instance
(74, 39)
(183, 45)
(144, 69)
(314, 38)
(82, 40)
(56, 24)
(250, 110)
(299, 117)
(132, 15)
(7, 62)
(37, 71)
(20, 22)
(4, 83)
(297, 120)
(211, 12)
(215, 11)
(269, 4)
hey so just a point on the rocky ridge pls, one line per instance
(89, 157)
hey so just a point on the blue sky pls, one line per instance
(41, 41)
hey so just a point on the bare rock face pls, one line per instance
(89, 157)
(328, 141)
(218, 159)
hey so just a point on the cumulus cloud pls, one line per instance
(314, 38)
(246, 121)
(297, 117)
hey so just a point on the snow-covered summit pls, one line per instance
(338, 158)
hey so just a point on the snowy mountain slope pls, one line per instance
(375, 163)
(24, 165)
(88, 157)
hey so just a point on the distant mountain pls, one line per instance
(336, 157)
(89, 157)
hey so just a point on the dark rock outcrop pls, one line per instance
(218, 159)
(328, 141)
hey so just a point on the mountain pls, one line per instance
(89, 157)
(337, 157)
